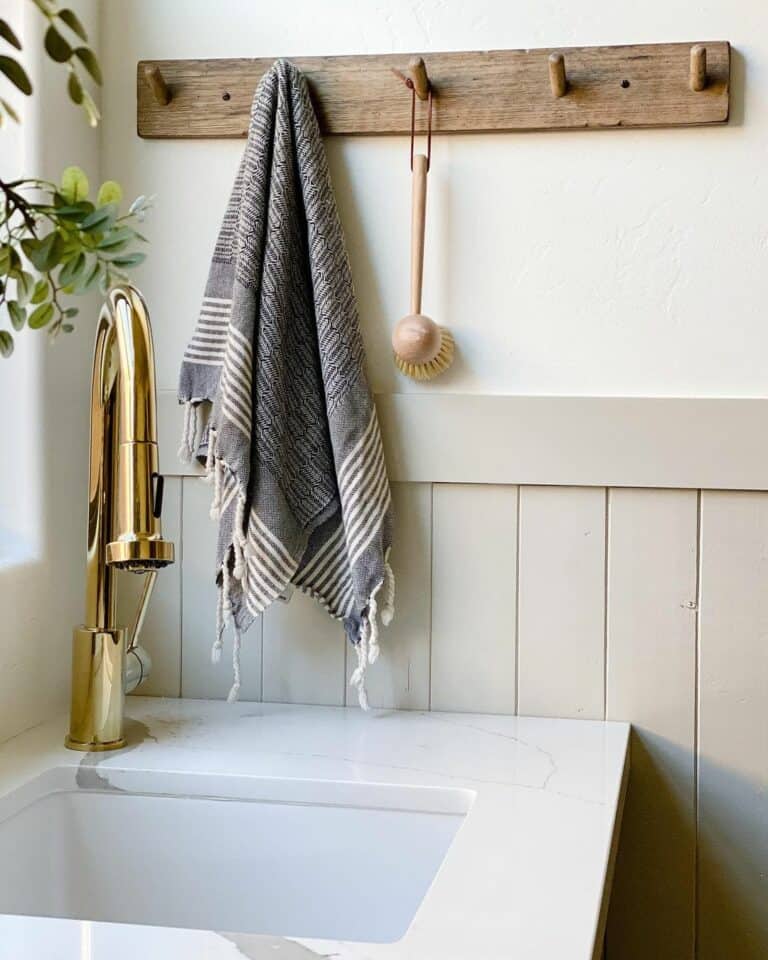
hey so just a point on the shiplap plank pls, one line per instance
(474, 536)
(399, 679)
(161, 633)
(199, 677)
(733, 730)
(561, 602)
(304, 653)
(651, 680)
(561, 441)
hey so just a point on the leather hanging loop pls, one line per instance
(409, 83)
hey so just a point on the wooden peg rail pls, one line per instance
(592, 88)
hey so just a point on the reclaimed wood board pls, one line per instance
(497, 90)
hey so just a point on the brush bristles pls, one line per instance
(432, 368)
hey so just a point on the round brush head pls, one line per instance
(423, 349)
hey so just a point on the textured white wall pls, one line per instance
(627, 263)
(44, 403)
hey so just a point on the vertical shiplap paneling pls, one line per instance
(561, 602)
(199, 677)
(474, 572)
(733, 729)
(400, 677)
(303, 653)
(651, 681)
(161, 634)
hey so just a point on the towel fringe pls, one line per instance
(218, 483)
(189, 432)
(210, 456)
(373, 629)
(234, 692)
(235, 567)
(358, 676)
(239, 539)
(388, 606)
(218, 642)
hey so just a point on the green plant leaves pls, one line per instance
(45, 254)
(41, 316)
(56, 46)
(116, 240)
(70, 19)
(7, 108)
(92, 277)
(16, 74)
(101, 219)
(8, 35)
(46, 7)
(74, 212)
(74, 185)
(72, 270)
(87, 246)
(88, 59)
(17, 313)
(40, 292)
(92, 111)
(74, 88)
(130, 260)
(25, 284)
(110, 192)
(10, 261)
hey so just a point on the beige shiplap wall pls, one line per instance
(621, 601)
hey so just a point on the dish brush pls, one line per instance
(423, 349)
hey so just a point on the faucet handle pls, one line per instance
(157, 494)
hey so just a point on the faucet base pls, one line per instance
(98, 671)
(71, 744)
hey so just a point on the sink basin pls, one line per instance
(292, 858)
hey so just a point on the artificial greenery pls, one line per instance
(54, 240)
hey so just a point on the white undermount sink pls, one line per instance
(294, 858)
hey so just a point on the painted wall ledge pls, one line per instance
(697, 443)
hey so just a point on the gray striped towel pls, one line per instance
(291, 440)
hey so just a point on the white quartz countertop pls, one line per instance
(526, 877)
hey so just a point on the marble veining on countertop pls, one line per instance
(525, 877)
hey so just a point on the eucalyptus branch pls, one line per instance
(60, 245)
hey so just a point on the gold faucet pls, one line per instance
(125, 492)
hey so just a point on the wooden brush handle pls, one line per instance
(418, 218)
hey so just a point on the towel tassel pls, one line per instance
(357, 679)
(388, 606)
(234, 692)
(218, 642)
(218, 483)
(210, 455)
(189, 432)
(373, 629)
(239, 538)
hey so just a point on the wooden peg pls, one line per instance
(160, 89)
(698, 75)
(419, 78)
(557, 78)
